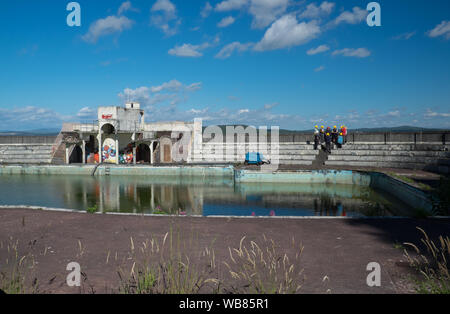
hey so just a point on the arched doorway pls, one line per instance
(108, 128)
(143, 153)
(77, 155)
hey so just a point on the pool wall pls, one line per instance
(312, 177)
(201, 171)
(412, 196)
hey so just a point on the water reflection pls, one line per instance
(190, 196)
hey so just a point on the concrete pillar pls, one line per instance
(134, 155)
(100, 147)
(67, 155)
(117, 150)
(152, 158)
(83, 149)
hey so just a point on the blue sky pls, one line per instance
(288, 63)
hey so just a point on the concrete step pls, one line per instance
(281, 146)
(25, 153)
(25, 157)
(347, 152)
(296, 162)
(401, 165)
(24, 146)
(426, 160)
(396, 147)
(23, 161)
(242, 158)
(27, 149)
(280, 151)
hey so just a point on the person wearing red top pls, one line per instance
(344, 132)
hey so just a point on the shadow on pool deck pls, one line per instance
(337, 248)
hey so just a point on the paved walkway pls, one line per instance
(337, 248)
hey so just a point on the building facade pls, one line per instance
(120, 135)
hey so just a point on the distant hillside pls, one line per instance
(362, 130)
(397, 129)
(31, 132)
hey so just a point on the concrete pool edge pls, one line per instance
(412, 196)
(74, 211)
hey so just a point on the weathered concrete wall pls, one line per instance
(407, 193)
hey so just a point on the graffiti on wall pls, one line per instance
(109, 151)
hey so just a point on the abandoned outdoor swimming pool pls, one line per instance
(197, 196)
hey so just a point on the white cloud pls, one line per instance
(320, 49)
(186, 50)
(270, 106)
(172, 86)
(172, 91)
(164, 16)
(349, 52)
(287, 32)
(192, 51)
(32, 117)
(107, 26)
(228, 50)
(266, 11)
(313, 11)
(395, 113)
(126, 6)
(87, 113)
(226, 21)
(442, 29)
(140, 94)
(229, 5)
(318, 69)
(432, 114)
(206, 11)
(357, 15)
(404, 36)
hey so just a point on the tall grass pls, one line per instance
(168, 266)
(172, 265)
(263, 269)
(433, 265)
(16, 272)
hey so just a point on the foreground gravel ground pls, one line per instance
(337, 249)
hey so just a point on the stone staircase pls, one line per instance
(431, 157)
(288, 153)
(25, 153)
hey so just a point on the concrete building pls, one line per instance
(121, 135)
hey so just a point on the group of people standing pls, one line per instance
(329, 136)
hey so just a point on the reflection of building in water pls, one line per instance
(121, 135)
(111, 194)
(149, 195)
